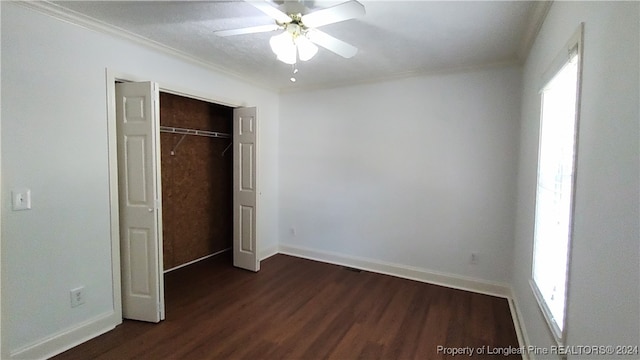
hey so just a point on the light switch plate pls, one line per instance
(21, 199)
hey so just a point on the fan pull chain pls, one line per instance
(294, 72)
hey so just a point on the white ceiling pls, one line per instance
(394, 38)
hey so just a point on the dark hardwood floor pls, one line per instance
(301, 309)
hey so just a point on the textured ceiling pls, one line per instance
(394, 38)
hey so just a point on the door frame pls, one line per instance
(112, 76)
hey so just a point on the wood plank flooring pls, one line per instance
(301, 309)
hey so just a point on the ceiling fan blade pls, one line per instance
(270, 10)
(334, 14)
(247, 30)
(332, 44)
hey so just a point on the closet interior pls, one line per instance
(197, 174)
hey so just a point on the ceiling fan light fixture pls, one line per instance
(292, 44)
(299, 37)
(306, 49)
(284, 47)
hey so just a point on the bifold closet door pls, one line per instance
(137, 117)
(245, 204)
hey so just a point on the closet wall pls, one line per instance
(197, 188)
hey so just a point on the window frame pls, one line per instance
(573, 46)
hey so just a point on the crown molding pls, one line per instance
(538, 15)
(402, 75)
(50, 9)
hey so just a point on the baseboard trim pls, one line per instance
(68, 338)
(103, 323)
(268, 252)
(521, 331)
(402, 271)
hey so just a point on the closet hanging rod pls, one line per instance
(184, 131)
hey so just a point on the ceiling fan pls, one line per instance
(300, 36)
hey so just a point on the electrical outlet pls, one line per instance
(474, 258)
(20, 199)
(77, 296)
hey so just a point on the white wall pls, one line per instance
(54, 141)
(416, 172)
(604, 296)
(0, 187)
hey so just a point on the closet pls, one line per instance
(197, 179)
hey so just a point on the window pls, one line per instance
(556, 178)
